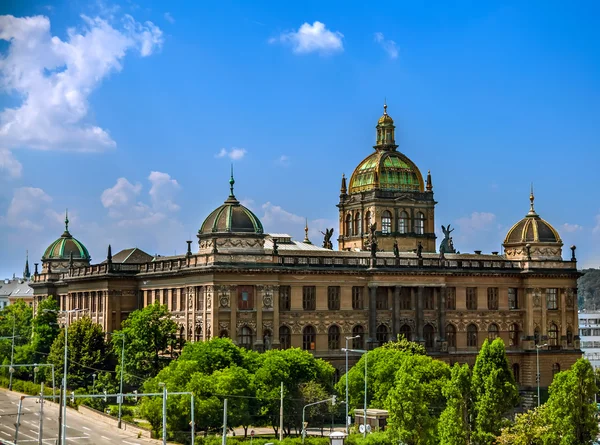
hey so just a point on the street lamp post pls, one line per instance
(121, 383)
(362, 351)
(12, 354)
(94, 383)
(347, 423)
(164, 412)
(537, 353)
(64, 401)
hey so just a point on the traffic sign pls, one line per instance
(305, 424)
(361, 428)
(368, 428)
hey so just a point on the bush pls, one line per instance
(216, 440)
(25, 387)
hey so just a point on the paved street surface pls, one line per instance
(80, 430)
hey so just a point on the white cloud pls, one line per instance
(274, 213)
(235, 154)
(570, 228)
(284, 160)
(163, 190)
(389, 46)
(55, 78)
(312, 38)
(123, 205)
(9, 164)
(477, 221)
(26, 209)
(169, 18)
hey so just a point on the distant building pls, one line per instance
(589, 333)
(387, 278)
(13, 289)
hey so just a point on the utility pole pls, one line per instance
(224, 440)
(281, 415)
(121, 384)
(60, 401)
(164, 412)
(41, 422)
(18, 419)
(12, 355)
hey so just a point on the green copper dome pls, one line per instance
(231, 217)
(386, 170)
(65, 247)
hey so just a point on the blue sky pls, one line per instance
(130, 113)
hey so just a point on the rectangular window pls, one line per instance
(492, 298)
(429, 303)
(309, 298)
(164, 296)
(552, 298)
(199, 298)
(451, 298)
(405, 297)
(101, 302)
(513, 298)
(357, 297)
(245, 297)
(472, 298)
(333, 298)
(182, 305)
(173, 300)
(285, 301)
(381, 301)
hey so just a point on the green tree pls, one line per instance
(494, 391)
(454, 427)
(149, 333)
(45, 328)
(215, 354)
(571, 409)
(87, 351)
(416, 400)
(21, 313)
(530, 428)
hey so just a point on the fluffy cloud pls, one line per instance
(389, 46)
(27, 208)
(123, 205)
(312, 38)
(54, 78)
(570, 228)
(235, 154)
(10, 165)
(477, 231)
(476, 221)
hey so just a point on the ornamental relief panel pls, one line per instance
(250, 323)
(432, 322)
(223, 296)
(407, 321)
(571, 297)
(208, 293)
(267, 325)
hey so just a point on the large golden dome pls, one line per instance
(386, 170)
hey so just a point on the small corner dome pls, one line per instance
(535, 235)
(231, 217)
(66, 247)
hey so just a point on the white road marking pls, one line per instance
(26, 408)
(131, 443)
(34, 432)
(5, 433)
(48, 418)
(77, 438)
(2, 410)
(86, 428)
(105, 438)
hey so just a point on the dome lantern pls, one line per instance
(58, 254)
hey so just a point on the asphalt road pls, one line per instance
(80, 429)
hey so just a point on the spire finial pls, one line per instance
(26, 273)
(66, 220)
(231, 183)
(429, 183)
(384, 106)
(306, 240)
(531, 200)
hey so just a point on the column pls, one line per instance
(527, 302)
(372, 313)
(563, 313)
(233, 317)
(419, 313)
(258, 304)
(396, 312)
(544, 309)
(275, 340)
(442, 312)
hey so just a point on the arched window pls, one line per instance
(451, 336)
(367, 220)
(472, 336)
(420, 224)
(569, 337)
(224, 333)
(513, 335)
(386, 222)
(406, 332)
(309, 337)
(357, 343)
(403, 222)
(246, 337)
(536, 336)
(285, 337)
(382, 334)
(516, 372)
(555, 369)
(429, 335)
(357, 224)
(334, 337)
(553, 335)
(348, 226)
(492, 331)
(267, 338)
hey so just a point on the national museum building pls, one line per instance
(387, 279)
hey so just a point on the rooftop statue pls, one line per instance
(447, 246)
(327, 238)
